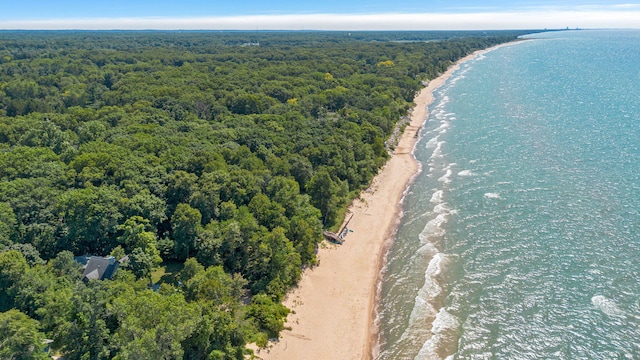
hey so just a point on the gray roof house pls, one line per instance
(98, 267)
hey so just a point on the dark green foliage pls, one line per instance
(91, 217)
(84, 332)
(21, 339)
(267, 314)
(189, 147)
(141, 264)
(217, 335)
(214, 285)
(327, 194)
(150, 325)
(13, 267)
(29, 252)
(7, 224)
(185, 223)
(63, 265)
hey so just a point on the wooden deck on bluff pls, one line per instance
(339, 237)
(332, 237)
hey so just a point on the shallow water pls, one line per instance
(521, 236)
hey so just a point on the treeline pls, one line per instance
(22, 42)
(201, 149)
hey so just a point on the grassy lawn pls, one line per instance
(166, 272)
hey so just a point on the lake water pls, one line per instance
(521, 236)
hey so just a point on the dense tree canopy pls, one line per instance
(197, 150)
(20, 337)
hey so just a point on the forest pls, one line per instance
(208, 162)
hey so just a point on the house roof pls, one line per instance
(98, 267)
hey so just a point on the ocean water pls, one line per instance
(521, 236)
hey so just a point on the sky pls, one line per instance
(317, 15)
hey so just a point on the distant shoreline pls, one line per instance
(333, 308)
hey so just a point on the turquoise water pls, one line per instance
(521, 237)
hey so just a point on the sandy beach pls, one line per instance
(333, 306)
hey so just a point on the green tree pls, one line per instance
(209, 245)
(185, 223)
(218, 334)
(273, 264)
(305, 234)
(191, 268)
(286, 192)
(142, 264)
(86, 334)
(13, 266)
(20, 338)
(268, 315)
(31, 287)
(215, 285)
(268, 214)
(151, 326)
(206, 197)
(148, 206)
(34, 203)
(181, 185)
(64, 265)
(7, 223)
(91, 218)
(323, 192)
(30, 253)
(144, 256)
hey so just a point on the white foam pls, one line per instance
(607, 306)
(432, 142)
(442, 327)
(431, 289)
(437, 152)
(530, 190)
(427, 250)
(441, 208)
(423, 308)
(434, 228)
(437, 197)
(594, 272)
(492, 195)
(446, 178)
(444, 125)
(444, 321)
(466, 173)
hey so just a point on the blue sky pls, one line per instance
(326, 14)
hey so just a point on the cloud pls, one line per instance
(536, 19)
(626, 6)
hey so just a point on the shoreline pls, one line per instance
(428, 93)
(333, 309)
